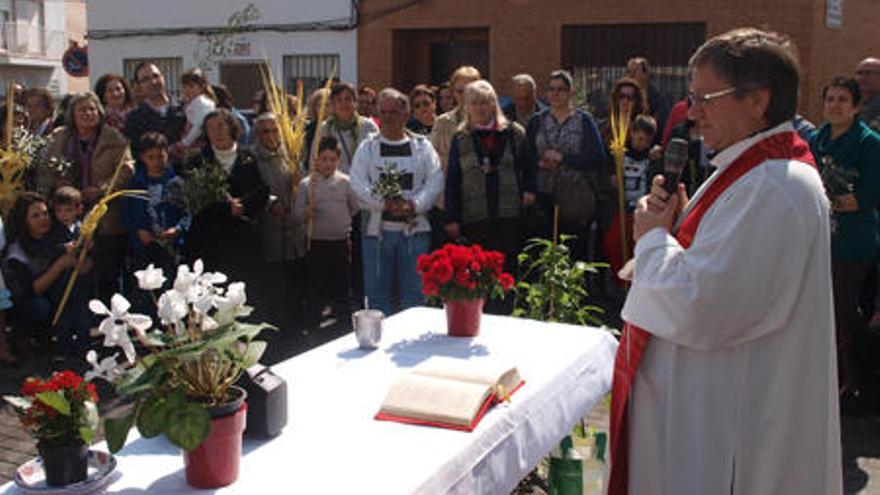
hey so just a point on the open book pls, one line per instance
(450, 393)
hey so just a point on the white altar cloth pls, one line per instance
(333, 445)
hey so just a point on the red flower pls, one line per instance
(32, 386)
(506, 281)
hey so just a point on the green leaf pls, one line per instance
(142, 378)
(87, 434)
(116, 431)
(188, 426)
(56, 401)
(253, 353)
(152, 417)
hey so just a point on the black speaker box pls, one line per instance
(266, 402)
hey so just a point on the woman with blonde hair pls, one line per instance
(488, 182)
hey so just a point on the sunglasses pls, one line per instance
(627, 96)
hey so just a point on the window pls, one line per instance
(597, 56)
(171, 68)
(312, 70)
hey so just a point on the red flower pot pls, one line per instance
(215, 462)
(463, 317)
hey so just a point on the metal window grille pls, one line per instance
(593, 85)
(171, 68)
(312, 70)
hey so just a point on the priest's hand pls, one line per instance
(660, 196)
(652, 212)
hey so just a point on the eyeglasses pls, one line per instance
(557, 89)
(708, 98)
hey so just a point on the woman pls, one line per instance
(115, 94)
(36, 271)
(224, 231)
(629, 99)
(445, 98)
(424, 110)
(225, 100)
(313, 107)
(282, 243)
(847, 150)
(95, 150)
(487, 180)
(564, 143)
(345, 124)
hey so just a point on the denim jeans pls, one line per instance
(393, 257)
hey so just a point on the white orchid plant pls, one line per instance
(187, 362)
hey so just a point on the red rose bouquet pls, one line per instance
(456, 272)
(59, 412)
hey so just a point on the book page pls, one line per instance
(435, 399)
(483, 371)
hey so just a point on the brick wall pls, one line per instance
(525, 35)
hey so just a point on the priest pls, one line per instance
(725, 379)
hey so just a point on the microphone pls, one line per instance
(674, 161)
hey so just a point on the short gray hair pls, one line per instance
(78, 98)
(393, 94)
(524, 80)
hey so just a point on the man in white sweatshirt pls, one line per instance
(397, 229)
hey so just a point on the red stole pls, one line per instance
(782, 146)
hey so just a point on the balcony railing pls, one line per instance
(26, 40)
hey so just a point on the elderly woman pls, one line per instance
(36, 271)
(95, 151)
(488, 181)
(847, 148)
(565, 145)
(224, 231)
(116, 96)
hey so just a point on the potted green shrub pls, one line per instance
(182, 384)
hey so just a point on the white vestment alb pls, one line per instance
(737, 389)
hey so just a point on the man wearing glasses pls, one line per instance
(868, 76)
(726, 376)
(156, 113)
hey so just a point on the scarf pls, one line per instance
(80, 152)
(226, 158)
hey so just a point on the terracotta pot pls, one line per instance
(463, 317)
(215, 462)
(65, 465)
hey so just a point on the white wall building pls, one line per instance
(301, 39)
(32, 41)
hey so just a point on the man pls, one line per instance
(447, 124)
(397, 229)
(345, 124)
(40, 108)
(525, 100)
(155, 113)
(726, 378)
(868, 76)
(639, 69)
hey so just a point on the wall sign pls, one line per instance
(834, 14)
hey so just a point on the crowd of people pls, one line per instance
(315, 237)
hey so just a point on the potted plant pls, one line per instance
(462, 277)
(61, 414)
(182, 384)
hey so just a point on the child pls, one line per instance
(67, 207)
(157, 225)
(334, 204)
(638, 171)
(200, 101)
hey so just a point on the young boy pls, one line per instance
(638, 170)
(67, 207)
(157, 225)
(334, 204)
